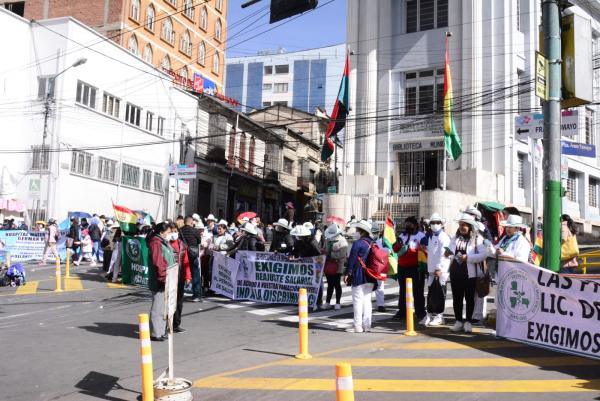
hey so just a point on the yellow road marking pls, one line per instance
(73, 284)
(116, 285)
(448, 362)
(30, 288)
(430, 386)
(439, 345)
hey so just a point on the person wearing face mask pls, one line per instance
(514, 244)
(467, 252)
(161, 256)
(437, 262)
(408, 267)
(223, 241)
(282, 240)
(185, 275)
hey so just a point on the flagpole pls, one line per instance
(445, 170)
(445, 165)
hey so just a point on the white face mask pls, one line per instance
(436, 227)
(174, 236)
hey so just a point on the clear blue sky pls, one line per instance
(326, 25)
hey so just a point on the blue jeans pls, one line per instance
(96, 250)
(196, 278)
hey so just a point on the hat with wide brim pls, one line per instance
(332, 231)
(283, 223)
(473, 211)
(513, 221)
(468, 219)
(300, 231)
(363, 225)
(250, 228)
(309, 225)
(436, 217)
(211, 217)
(223, 223)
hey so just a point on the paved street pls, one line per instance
(83, 344)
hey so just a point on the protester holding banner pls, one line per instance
(336, 248)
(161, 257)
(356, 276)
(211, 224)
(223, 241)
(514, 244)
(438, 264)
(248, 238)
(51, 236)
(185, 275)
(282, 240)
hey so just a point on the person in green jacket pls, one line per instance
(161, 256)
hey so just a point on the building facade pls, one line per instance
(89, 126)
(305, 80)
(184, 37)
(397, 79)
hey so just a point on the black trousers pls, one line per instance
(462, 288)
(177, 315)
(418, 280)
(334, 282)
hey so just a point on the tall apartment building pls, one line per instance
(303, 80)
(184, 37)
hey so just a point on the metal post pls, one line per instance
(445, 171)
(532, 190)
(552, 185)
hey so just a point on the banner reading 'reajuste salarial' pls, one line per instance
(543, 308)
(267, 277)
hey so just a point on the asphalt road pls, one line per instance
(83, 345)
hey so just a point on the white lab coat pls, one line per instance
(476, 254)
(518, 249)
(436, 247)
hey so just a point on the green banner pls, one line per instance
(134, 261)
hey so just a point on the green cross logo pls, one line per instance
(518, 295)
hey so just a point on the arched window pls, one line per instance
(218, 29)
(148, 54)
(216, 63)
(185, 45)
(150, 17)
(242, 157)
(231, 151)
(167, 31)
(132, 45)
(135, 9)
(219, 5)
(165, 64)
(204, 18)
(201, 53)
(251, 156)
(188, 8)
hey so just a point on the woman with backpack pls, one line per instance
(356, 276)
(467, 252)
(336, 248)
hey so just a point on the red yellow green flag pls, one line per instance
(422, 258)
(538, 250)
(389, 239)
(451, 139)
(126, 217)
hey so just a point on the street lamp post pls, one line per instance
(48, 97)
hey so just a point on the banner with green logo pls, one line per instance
(134, 261)
(551, 310)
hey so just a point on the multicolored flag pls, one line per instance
(538, 250)
(126, 217)
(338, 116)
(451, 139)
(422, 258)
(389, 239)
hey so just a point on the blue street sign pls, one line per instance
(578, 149)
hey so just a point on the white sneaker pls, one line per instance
(436, 321)
(326, 306)
(424, 321)
(354, 330)
(367, 329)
(457, 326)
(468, 327)
(337, 307)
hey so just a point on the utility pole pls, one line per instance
(552, 148)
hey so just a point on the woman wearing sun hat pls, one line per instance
(514, 244)
(336, 248)
(357, 277)
(467, 252)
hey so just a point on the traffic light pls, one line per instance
(282, 9)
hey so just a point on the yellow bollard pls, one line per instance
(303, 324)
(410, 324)
(68, 265)
(146, 353)
(344, 387)
(57, 275)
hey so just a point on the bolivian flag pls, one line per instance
(338, 115)
(422, 258)
(538, 250)
(126, 217)
(389, 239)
(451, 139)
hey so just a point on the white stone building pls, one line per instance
(99, 113)
(393, 139)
